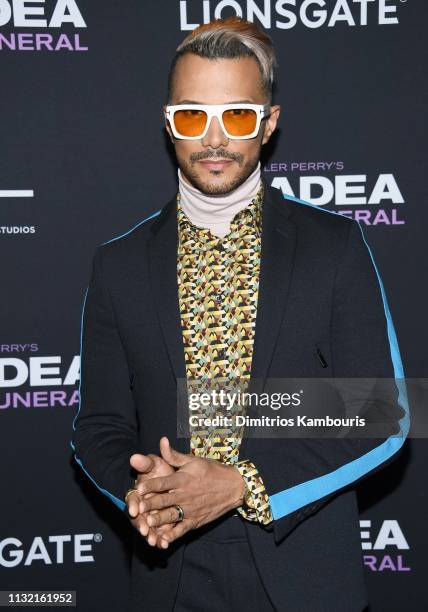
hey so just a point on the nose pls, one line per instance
(215, 137)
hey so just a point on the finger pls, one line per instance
(144, 528)
(146, 531)
(138, 520)
(148, 495)
(153, 534)
(140, 524)
(164, 529)
(157, 502)
(141, 463)
(160, 531)
(162, 517)
(142, 477)
(159, 484)
(152, 537)
(172, 456)
(133, 502)
(149, 475)
(173, 534)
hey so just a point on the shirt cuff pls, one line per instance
(261, 511)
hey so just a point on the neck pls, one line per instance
(216, 212)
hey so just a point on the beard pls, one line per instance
(246, 167)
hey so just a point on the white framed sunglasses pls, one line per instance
(238, 121)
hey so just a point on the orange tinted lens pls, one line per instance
(239, 121)
(190, 122)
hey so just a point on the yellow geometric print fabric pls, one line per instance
(218, 280)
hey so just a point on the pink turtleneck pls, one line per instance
(216, 212)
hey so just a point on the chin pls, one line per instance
(221, 185)
(222, 189)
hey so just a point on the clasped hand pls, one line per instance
(204, 488)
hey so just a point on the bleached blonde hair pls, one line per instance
(231, 38)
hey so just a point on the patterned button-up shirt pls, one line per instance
(218, 279)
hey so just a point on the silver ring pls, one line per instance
(180, 513)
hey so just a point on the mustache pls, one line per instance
(220, 153)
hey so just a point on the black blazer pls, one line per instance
(322, 312)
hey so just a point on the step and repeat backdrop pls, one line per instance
(84, 157)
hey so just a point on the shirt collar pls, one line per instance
(246, 222)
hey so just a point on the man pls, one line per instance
(223, 519)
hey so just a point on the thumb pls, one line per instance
(141, 463)
(171, 456)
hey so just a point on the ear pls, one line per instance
(271, 121)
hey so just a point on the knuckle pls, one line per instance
(148, 486)
(157, 503)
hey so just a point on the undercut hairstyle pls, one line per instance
(229, 38)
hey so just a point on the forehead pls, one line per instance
(217, 81)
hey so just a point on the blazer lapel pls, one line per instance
(276, 266)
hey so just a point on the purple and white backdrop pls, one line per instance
(84, 157)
